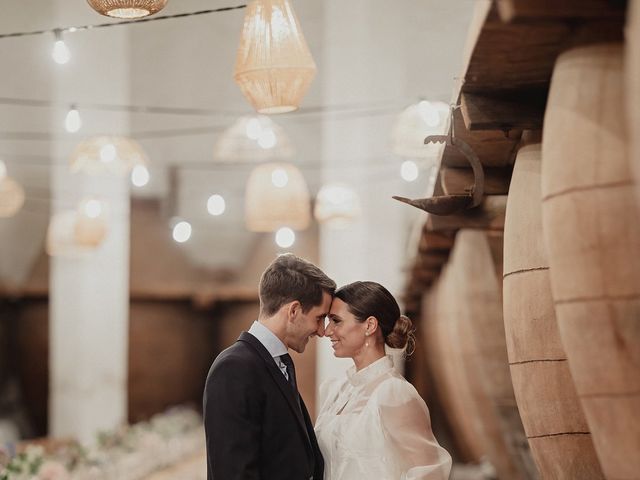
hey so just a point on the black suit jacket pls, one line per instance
(254, 426)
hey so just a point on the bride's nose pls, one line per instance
(328, 330)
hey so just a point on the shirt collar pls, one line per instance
(370, 372)
(268, 339)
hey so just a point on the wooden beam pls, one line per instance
(431, 261)
(488, 216)
(521, 109)
(494, 148)
(459, 180)
(412, 304)
(434, 241)
(513, 56)
(519, 10)
(417, 287)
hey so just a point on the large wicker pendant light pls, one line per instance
(91, 225)
(414, 124)
(254, 138)
(337, 206)
(276, 196)
(274, 67)
(127, 8)
(98, 155)
(11, 197)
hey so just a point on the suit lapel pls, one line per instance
(281, 381)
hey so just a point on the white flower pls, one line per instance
(52, 470)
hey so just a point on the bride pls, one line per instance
(373, 424)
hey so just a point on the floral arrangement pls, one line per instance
(126, 453)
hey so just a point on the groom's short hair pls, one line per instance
(290, 278)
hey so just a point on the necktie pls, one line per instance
(291, 371)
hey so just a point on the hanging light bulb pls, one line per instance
(216, 205)
(60, 53)
(253, 128)
(267, 139)
(429, 113)
(279, 177)
(274, 67)
(285, 237)
(140, 176)
(409, 171)
(127, 8)
(72, 121)
(181, 231)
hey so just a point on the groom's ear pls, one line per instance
(293, 309)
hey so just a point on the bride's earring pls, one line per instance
(366, 343)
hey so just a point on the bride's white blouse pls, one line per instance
(375, 425)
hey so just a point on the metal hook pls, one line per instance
(450, 204)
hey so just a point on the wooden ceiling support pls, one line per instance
(516, 109)
(459, 180)
(526, 10)
(494, 148)
(435, 242)
(503, 93)
(488, 216)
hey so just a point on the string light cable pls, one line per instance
(60, 30)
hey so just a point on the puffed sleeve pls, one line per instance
(406, 425)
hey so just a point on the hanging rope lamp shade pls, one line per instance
(91, 225)
(274, 67)
(276, 196)
(11, 197)
(414, 124)
(99, 155)
(337, 205)
(127, 8)
(60, 235)
(253, 138)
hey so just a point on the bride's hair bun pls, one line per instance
(402, 334)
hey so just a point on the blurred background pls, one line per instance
(142, 195)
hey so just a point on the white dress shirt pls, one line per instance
(272, 343)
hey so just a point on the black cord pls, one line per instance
(116, 24)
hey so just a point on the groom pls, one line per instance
(256, 423)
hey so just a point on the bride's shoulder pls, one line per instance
(395, 389)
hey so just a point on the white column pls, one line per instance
(389, 54)
(89, 308)
(89, 295)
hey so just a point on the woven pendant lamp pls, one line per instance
(414, 124)
(254, 138)
(61, 239)
(91, 225)
(98, 155)
(337, 205)
(274, 67)
(127, 8)
(276, 196)
(11, 197)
